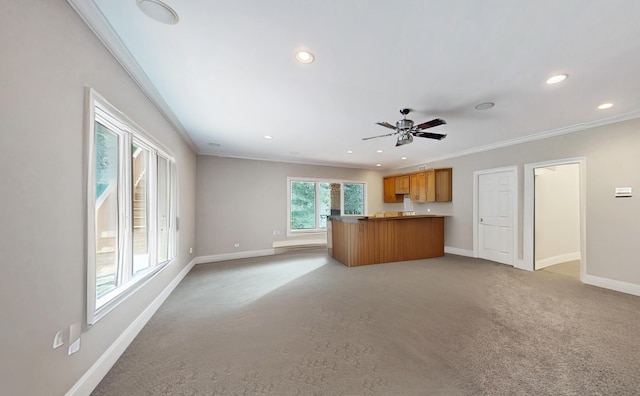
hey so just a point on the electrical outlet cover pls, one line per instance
(58, 340)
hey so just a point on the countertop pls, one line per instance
(355, 219)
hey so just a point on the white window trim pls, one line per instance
(320, 231)
(130, 132)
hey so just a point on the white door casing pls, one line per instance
(495, 215)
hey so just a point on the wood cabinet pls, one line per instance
(418, 186)
(443, 184)
(439, 185)
(366, 241)
(432, 185)
(390, 195)
(402, 184)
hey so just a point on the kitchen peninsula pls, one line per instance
(355, 241)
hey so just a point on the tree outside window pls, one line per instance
(312, 201)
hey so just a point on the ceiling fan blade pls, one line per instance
(386, 124)
(429, 135)
(430, 124)
(379, 136)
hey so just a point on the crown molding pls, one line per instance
(539, 136)
(95, 20)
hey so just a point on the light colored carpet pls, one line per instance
(569, 268)
(303, 324)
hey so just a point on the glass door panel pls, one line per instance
(107, 227)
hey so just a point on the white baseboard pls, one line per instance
(300, 242)
(561, 258)
(458, 252)
(612, 284)
(88, 382)
(233, 256)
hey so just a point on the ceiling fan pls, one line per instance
(406, 130)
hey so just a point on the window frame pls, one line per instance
(317, 181)
(129, 133)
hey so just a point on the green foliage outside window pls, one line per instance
(303, 205)
(309, 196)
(106, 158)
(353, 198)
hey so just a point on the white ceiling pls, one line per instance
(226, 75)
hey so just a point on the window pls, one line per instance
(131, 208)
(312, 201)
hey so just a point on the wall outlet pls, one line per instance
(276, 232)
(236, 245)
(190, 250)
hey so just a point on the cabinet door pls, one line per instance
(418, 187)
(431, 185)
(390, 191)
(443, 185)
(402, 184)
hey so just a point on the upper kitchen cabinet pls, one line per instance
(418, 186)
(390, 195)
(402, 184)
(439, 185)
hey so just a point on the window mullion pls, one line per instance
(341, 199)
(152, 195)
(173, 210)
(318, 205)
(127, 260)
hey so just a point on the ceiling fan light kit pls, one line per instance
(404, 138)
(406, 130)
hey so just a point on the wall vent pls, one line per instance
(422, 167)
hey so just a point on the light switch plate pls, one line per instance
(74, 347)
(74, 338)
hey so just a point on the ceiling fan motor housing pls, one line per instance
(404, 124)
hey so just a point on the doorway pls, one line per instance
(553, 232)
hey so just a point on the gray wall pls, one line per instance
(612, 224)
(243, 201)
(48, 57)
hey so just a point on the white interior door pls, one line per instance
(496, 215)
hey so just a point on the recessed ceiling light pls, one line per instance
(349, 152)
(403, 158)
(379, 151)
(557, 79)
(158, 11)
(304, 57)
(485, 106)
(268, 137)
(605, 106)
(378, 164)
